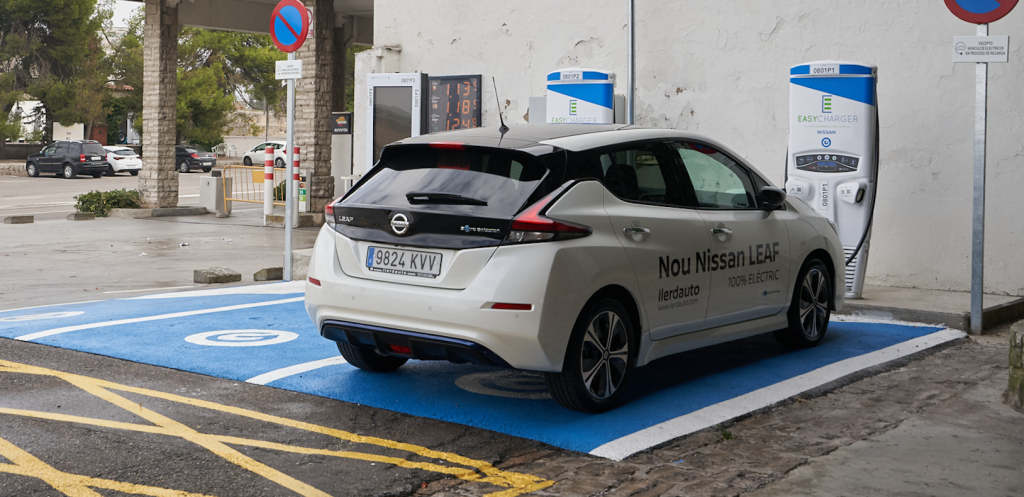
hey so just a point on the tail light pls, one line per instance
(118, 158)
(532, 226)
(81, 157)
(195, 156)
(329, 212)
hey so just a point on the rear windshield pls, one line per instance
(504, 181)
(93, 149)
(123, 151)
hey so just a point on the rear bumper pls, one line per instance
(409, 344)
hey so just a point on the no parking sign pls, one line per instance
(980, 11)
(289, 25)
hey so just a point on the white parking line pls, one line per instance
(628, 445)
(49, 305)
(277, 374)
(152, 289)
(66, 329)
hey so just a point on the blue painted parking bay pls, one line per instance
(262, 334)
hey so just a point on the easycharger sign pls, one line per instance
(580, 96)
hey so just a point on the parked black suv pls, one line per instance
(189, 157)
(69, 159)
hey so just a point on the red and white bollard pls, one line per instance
(268, 182)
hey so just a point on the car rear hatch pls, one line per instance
(93, 153)
(433, 214)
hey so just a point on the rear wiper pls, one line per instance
(442, 198)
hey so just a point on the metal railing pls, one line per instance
(248, 184)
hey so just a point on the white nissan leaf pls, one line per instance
(580, 251)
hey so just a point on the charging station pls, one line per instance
(832, 162)
(396, 110)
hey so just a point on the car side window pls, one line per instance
(48, 151)
(638, 173)
(718, 181)
(62, 149)
(259, 148)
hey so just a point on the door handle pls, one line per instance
(721, 231)
(635, 230)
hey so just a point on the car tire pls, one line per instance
(207, 169)
(133, 173)
(183, 166)
(110, 171)
(369, 360)
(602, 349)
(279, 163)
(246, 161)
(69, 171)
(32, 170)
(97, 175)
(810, 309)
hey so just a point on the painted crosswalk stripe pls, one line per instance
(628, 445)
(277, 374)
(67, 329)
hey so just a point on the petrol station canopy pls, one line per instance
(252, 16)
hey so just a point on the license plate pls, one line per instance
(404, 262)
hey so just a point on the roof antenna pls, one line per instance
(503, 129)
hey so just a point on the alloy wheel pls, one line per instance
(814, 303)
(604, 356)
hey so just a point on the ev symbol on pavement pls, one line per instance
(241, 338)
(826, 142)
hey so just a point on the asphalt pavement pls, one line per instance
(928, 423)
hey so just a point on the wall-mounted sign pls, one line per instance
(396, 110)
(981, 48)
(454, 102)
(341, 123)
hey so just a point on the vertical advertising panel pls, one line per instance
(396, 110)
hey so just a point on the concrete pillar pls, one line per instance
(339, 60)
(158, 182)
(313, 102)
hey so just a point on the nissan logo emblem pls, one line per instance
(399, 224)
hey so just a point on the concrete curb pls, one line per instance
(81, 216)
(306, 220)
(1014, 396)
(19, 219)
(11, 169)
(216, 275)
(165, 212)
(994, 316)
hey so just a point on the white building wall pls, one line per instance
(721, 69)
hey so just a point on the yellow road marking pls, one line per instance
(474, 470)
(26, 464)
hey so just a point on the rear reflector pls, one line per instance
(401, 350)
(314, 281)
(512, 307)
(447, 145)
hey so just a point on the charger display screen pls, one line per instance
(827, 163)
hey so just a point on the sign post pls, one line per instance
(980, 50)
(289, 26)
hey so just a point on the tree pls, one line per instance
(50, 49)
(215, 68)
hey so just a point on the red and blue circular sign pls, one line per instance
(289, 25)
(980, 11)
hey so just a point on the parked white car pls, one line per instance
(122, 159)
(580, 251)
(257, 154)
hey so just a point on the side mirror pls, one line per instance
(772, 198)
